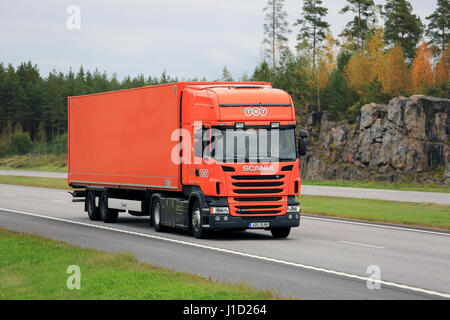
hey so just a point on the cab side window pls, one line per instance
(202, 142)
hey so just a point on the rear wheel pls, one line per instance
(196, 221)
(108, 215)
(156, 216)
(280, 232)
(93, 212)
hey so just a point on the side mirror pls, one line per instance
(301, 148)
(303, 134)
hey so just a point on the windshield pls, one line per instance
(250, 145)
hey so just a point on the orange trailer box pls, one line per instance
(124, 138)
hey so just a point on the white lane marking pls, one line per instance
(242, 254)
(8, 194)
(376, 225)
(362, 244)
(60, 201)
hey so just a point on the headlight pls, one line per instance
(219, 210)
(293, 209)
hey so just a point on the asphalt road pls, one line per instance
(363, 193)
(323, 259)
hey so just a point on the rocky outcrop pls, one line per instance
(408, 139)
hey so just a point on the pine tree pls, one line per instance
(442, 71)
(226, 75)
(438, 27)
(275, 29)
(262, 73)
(13, 98)
(358, 26)
(325, 66)
(402, 26)
(336, 95)
(313, 27)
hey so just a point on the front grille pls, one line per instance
(256, 191)
(255, 187)
(259, 207)
(259, 212)
(259, 177)
(243, 199)
(258, 184)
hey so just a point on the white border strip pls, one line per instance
(242, 254)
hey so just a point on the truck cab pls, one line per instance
(240, 154)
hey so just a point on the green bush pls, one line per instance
(57, 146)
(19, 143)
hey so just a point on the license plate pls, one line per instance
(258, 224)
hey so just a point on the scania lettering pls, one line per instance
(257, 168)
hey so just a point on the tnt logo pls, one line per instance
(256, 112)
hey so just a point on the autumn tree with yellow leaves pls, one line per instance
(421, 70)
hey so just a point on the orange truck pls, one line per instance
(190, 155)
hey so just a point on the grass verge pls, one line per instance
(406, 213)
(56, 183)
(39, 162)
(34, 267)
(380, 185)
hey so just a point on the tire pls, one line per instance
(93, 212)
(196, 221)
(155, 218)
(280, 232)
(108, 215)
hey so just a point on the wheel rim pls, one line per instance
(157, 216)
(196, 219)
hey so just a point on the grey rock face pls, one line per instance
(409, 137)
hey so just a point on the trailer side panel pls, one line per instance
(123, 138)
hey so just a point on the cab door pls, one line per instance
(193, 165)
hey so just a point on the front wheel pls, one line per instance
(280, 232)
(196, 221)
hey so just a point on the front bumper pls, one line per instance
(234, 222)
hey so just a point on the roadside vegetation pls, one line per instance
(34, 267)
(55, 183)
(412, 186)
(405, 213)
(38, 162)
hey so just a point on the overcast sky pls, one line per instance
(190, 38)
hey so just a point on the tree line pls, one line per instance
(368, 62)
(33, 109)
